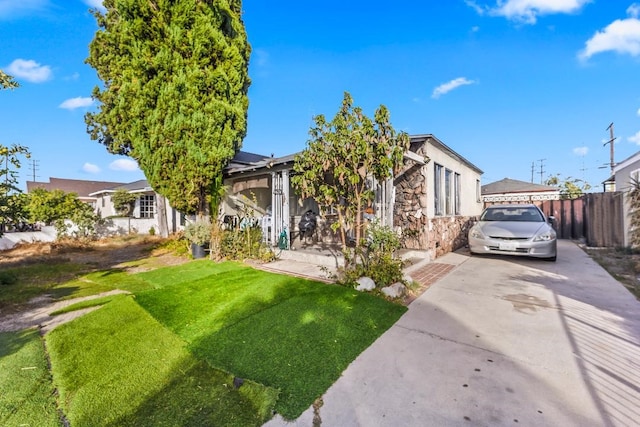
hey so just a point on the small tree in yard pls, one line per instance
(341, 156)
(123, 201)
(54, 207)
(569, 188)
(11, 206)
(633, 195)
(175, 77)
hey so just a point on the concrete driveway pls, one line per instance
(500, 341)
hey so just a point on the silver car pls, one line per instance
(514, 230)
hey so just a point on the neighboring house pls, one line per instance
(145, 214)
(514, 191)
(80, 187)
(624, 174)
(143, 218)
(430, 202)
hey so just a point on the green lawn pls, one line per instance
(26, 393)
(168, 353)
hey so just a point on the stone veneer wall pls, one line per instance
(436, 235)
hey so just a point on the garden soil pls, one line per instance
(91, 256)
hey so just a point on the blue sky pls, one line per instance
(507, 84)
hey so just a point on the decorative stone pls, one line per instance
(407, 278)
(394, 291)
(365, 284)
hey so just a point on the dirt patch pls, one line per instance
(622, 263)
(40, 313)
(100, 254)
(132, 254)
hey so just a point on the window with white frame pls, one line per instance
(457, 190)
(147, 206)
(448, 190)
(478, 191)
(635, 176)
(437, 188)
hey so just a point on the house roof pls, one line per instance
(270, 162)
(246, 158)
(82, 188)
(626, 162)
(265, 162)
(141, 185)
(507, 185)
(443, 147)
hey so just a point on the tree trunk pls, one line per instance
(163, 227)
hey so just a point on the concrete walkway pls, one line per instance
(499, 341)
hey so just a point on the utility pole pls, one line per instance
(611, 140)
(533, 166)
(34, 169)
(541, 169)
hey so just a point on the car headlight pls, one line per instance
(545, 236)
(476, 233)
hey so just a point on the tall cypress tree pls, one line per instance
(175, 75)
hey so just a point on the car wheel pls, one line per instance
(552, 259)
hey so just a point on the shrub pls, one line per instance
(8, 278)
(198, 232)
(374, 258)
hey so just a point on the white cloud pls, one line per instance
(13, 8)
(635, 138)
(90, 168)
(451, 85)
(638, 112)
(29, 70)
(473, 5)
(621, 36)
(73, 103)
(127, 165)
(581, 151)
(527, 11)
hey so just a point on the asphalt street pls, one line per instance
(500, 341)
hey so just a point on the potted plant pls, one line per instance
(199, 234)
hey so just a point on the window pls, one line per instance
(478, 191)
(437, 188)
(457, 190)
(447, 192)
(147, 206)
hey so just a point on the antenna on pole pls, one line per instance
(611, 140)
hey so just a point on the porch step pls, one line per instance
(327, 258)
(333, 258)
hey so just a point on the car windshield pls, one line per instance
(525, 214)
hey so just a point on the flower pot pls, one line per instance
(198, 251)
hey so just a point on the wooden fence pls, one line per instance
(597, 218)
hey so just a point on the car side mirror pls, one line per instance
(551, 219)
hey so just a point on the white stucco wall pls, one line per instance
(470, 182)
(624, 184)
(11, 239)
